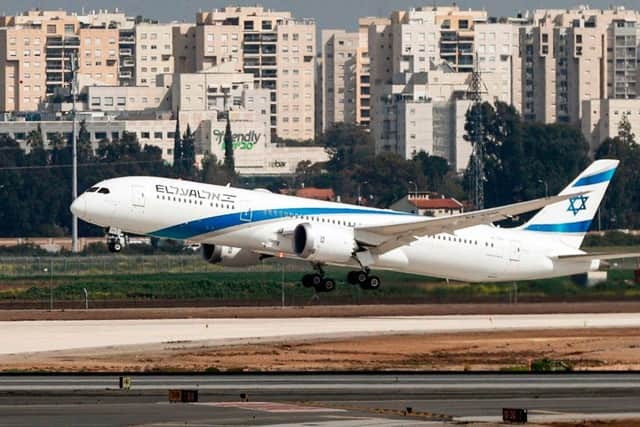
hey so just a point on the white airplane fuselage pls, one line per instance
(263, 222)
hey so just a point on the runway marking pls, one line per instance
(273, 407)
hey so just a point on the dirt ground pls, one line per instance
(322, 311)
(596, 349)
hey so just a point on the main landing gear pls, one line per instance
(324, 284)
(363, 279)
(318, 281)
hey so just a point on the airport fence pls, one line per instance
(120, 264)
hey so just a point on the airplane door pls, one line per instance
(137, 197)
(495, 257)
(514, 251)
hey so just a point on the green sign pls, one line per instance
(241, 141)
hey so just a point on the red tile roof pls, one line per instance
(436, 203)
(316, 193)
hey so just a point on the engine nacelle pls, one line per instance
(317, 242)
(229, 256)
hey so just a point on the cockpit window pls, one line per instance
(92, 190)
(104, 190)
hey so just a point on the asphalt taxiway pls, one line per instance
(324, 400)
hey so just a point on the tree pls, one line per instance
(85, 150)
(188, 159)
(229, 161)
(519, 158)
(621, 206)
(435, 169)
(35, 140)
(177, 149)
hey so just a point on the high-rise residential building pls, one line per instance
(421, 63)
(576, 55)
(339, 57)
(277, 49)
(153, 52)
(36, 50)
(345, 94)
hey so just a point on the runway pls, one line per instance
(324, 400)
(37, 336)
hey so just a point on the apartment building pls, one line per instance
(601, 118)
(36, 49)
(153, 52)
(277, 49)
(345, 80)
(420, 69)
(576, 55)
(339, 76)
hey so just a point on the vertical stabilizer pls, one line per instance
(570, 220)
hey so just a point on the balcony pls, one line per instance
(126, 52)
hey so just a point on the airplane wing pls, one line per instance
(598, 256)
(383, 238)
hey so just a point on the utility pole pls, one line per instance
(74, 90)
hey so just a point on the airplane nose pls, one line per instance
(79, 206)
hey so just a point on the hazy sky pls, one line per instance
(328, 13)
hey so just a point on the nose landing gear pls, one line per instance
(116, 240)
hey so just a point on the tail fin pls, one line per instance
(569, 220)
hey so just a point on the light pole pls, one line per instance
(74, 88)
(50, 270)
(415, 188)
(359, 193)
(86, 298)
(546, 187)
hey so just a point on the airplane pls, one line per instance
(240, 227)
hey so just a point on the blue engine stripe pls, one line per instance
(220, 222)
(595, 179)
(569, 227)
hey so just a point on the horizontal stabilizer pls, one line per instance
(599, 256)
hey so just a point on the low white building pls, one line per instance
(200, 101)
(426, 203)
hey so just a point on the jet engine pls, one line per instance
(229, 256)
(324, 243)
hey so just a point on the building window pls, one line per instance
(144, 135)
(157, 135)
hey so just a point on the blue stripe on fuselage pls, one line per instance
(197, 227)
(595, 179)
(569, 227)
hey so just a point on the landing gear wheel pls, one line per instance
(352, 277)
(327, 285)
(307, 280)
(114, 246)
(316, 280)
(373, 282)
(361, 277)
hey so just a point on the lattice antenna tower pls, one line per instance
(474, 93)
